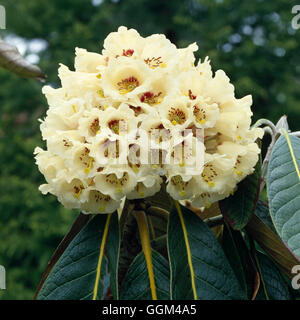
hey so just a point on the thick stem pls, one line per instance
(265, 122)
(268, 130)
(158, 212)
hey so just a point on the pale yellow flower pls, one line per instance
(116, 182)
(140, 114)
(160, 54)
(186, 57)
(89, 62)
(97, 202)
(244, 156)
(181, 187)
(125, 42)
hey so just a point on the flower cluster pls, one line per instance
(135, 116)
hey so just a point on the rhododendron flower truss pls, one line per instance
(119, 125)
(144, 140)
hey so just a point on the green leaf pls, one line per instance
(78, 224)
(158, 226)
(83, 272)
(233, 247)
(136, 284)
(113, 253)
(238, 209)
(283, 185)
(272, 245)
(241, 261)
(130, 245)
(199, 268)
(273, 286)
(11, 60)
(262, 211)
(158, 223)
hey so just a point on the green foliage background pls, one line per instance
(253, 41)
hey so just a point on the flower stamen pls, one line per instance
(155, 62)
(114, 126)
(78, 191)
(127, 85)
(94, 126)
(151, 98)
(176, 116)
(128, 52)
(191, 95)
(87, 170)
(177, 180)
(101, 93)
(209, 175)
(199, 114)
(207, 204)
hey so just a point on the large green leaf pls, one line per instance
(272, 245)
(199, 268)
(273, 285)
(158, 223)
(283, 185)
(262, 211)
(85, 270)
(78, 224)
(232, 253)
(130, 245)
(136, 285)
(241, 261)
(238, 208)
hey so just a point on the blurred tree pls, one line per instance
(253, 41)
